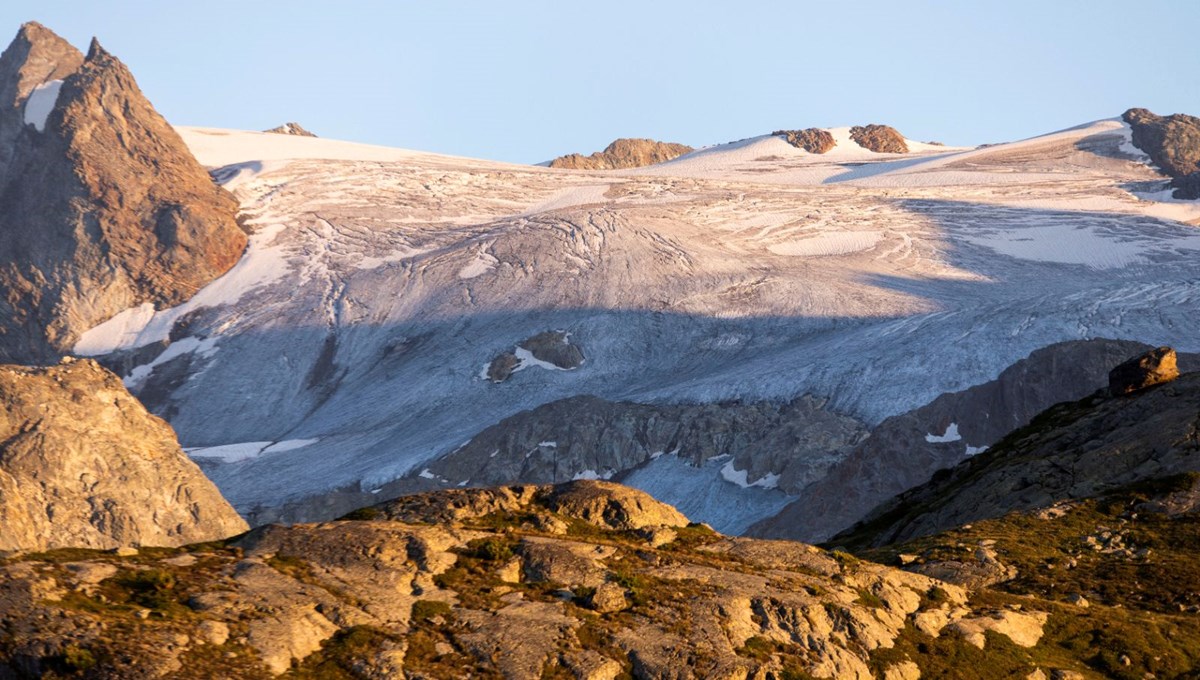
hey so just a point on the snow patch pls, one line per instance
(426, 474)
(205, 347)
(482, 264)
(548, 445)
(40, 103)
(740, 477)
(950, 435)
(289, 445)
(118, 333)
(592, 474)
(230, 453)
(975, 450)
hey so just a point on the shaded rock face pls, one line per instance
(1071, 451)
(82, 464)
(1173, 144)
(905, 450)
(1152, 368)
(879, 138)
(104, 208)
(812, 140)
(623, 153)
(290, 129)
(488, 596)
(793, 442)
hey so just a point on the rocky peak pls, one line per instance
(879, 138)
(104, 206)
(36, 57)
(83, 464)
(290, 129)
(623, 153)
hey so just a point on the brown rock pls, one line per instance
(812, 140)
(104, 206)
(623, 153)
(82, 464)
(1152, 368)
(1173, 144)
(879, 138)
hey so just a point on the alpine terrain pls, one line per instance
(825, 402)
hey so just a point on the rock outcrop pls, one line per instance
(1147, 370)
(812, 140)
(904, 451)
(103, 206)
(82, 464)
(879, 138)
(290, 129)
(553, 348)
(1071, 451)
(623, 153)
(1173, 144)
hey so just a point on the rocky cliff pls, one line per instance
(82, 464)
(1173, 144)
(104, 208)
(1072, 451)
(623, 153)
(905, 450)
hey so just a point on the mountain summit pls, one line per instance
(104, 207)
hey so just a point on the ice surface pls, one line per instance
(747, 271)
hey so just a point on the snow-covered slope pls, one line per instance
(346, 347)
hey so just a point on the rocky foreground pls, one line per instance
(587, 580)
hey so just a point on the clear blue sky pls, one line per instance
(528, 80)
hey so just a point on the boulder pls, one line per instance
(1146, 370)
